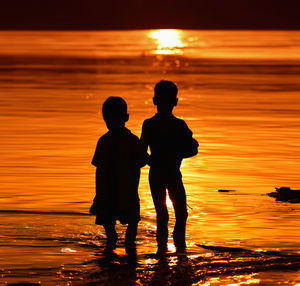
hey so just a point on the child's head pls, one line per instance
(165, 96)
(114, 111)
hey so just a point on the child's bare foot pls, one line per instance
(162, 250)
(130, 248)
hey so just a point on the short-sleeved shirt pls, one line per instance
(170, 140)
(118, 158)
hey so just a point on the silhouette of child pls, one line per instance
(170, 140)
(118, 158)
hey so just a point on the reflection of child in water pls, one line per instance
(170, 140)
(118, 158)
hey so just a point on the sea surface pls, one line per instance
(239, 92)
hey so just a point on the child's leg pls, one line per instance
(178, 198)
(131, 233)
(130, 237)
(111, 235)
(158, 191)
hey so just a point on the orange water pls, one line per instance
(239, 93)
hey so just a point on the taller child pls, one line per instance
(170, 140)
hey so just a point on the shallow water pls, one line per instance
(238, 92)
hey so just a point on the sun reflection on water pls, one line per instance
(168, 200)
(247, 279)
(169, 41)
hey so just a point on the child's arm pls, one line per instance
(93, 208)
(143, 157)
(145, 142)
(190, 145)
(96, 163)
(96, 157)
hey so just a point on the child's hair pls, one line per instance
(114, 106)
(165, 88)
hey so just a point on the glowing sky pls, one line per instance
(145, 14)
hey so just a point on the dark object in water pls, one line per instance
(244, 250)
(225, 191)
(286, 194)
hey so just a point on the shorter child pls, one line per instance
(118, 159)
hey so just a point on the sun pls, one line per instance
(168, 41)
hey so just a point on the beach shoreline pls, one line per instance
(78, 259)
